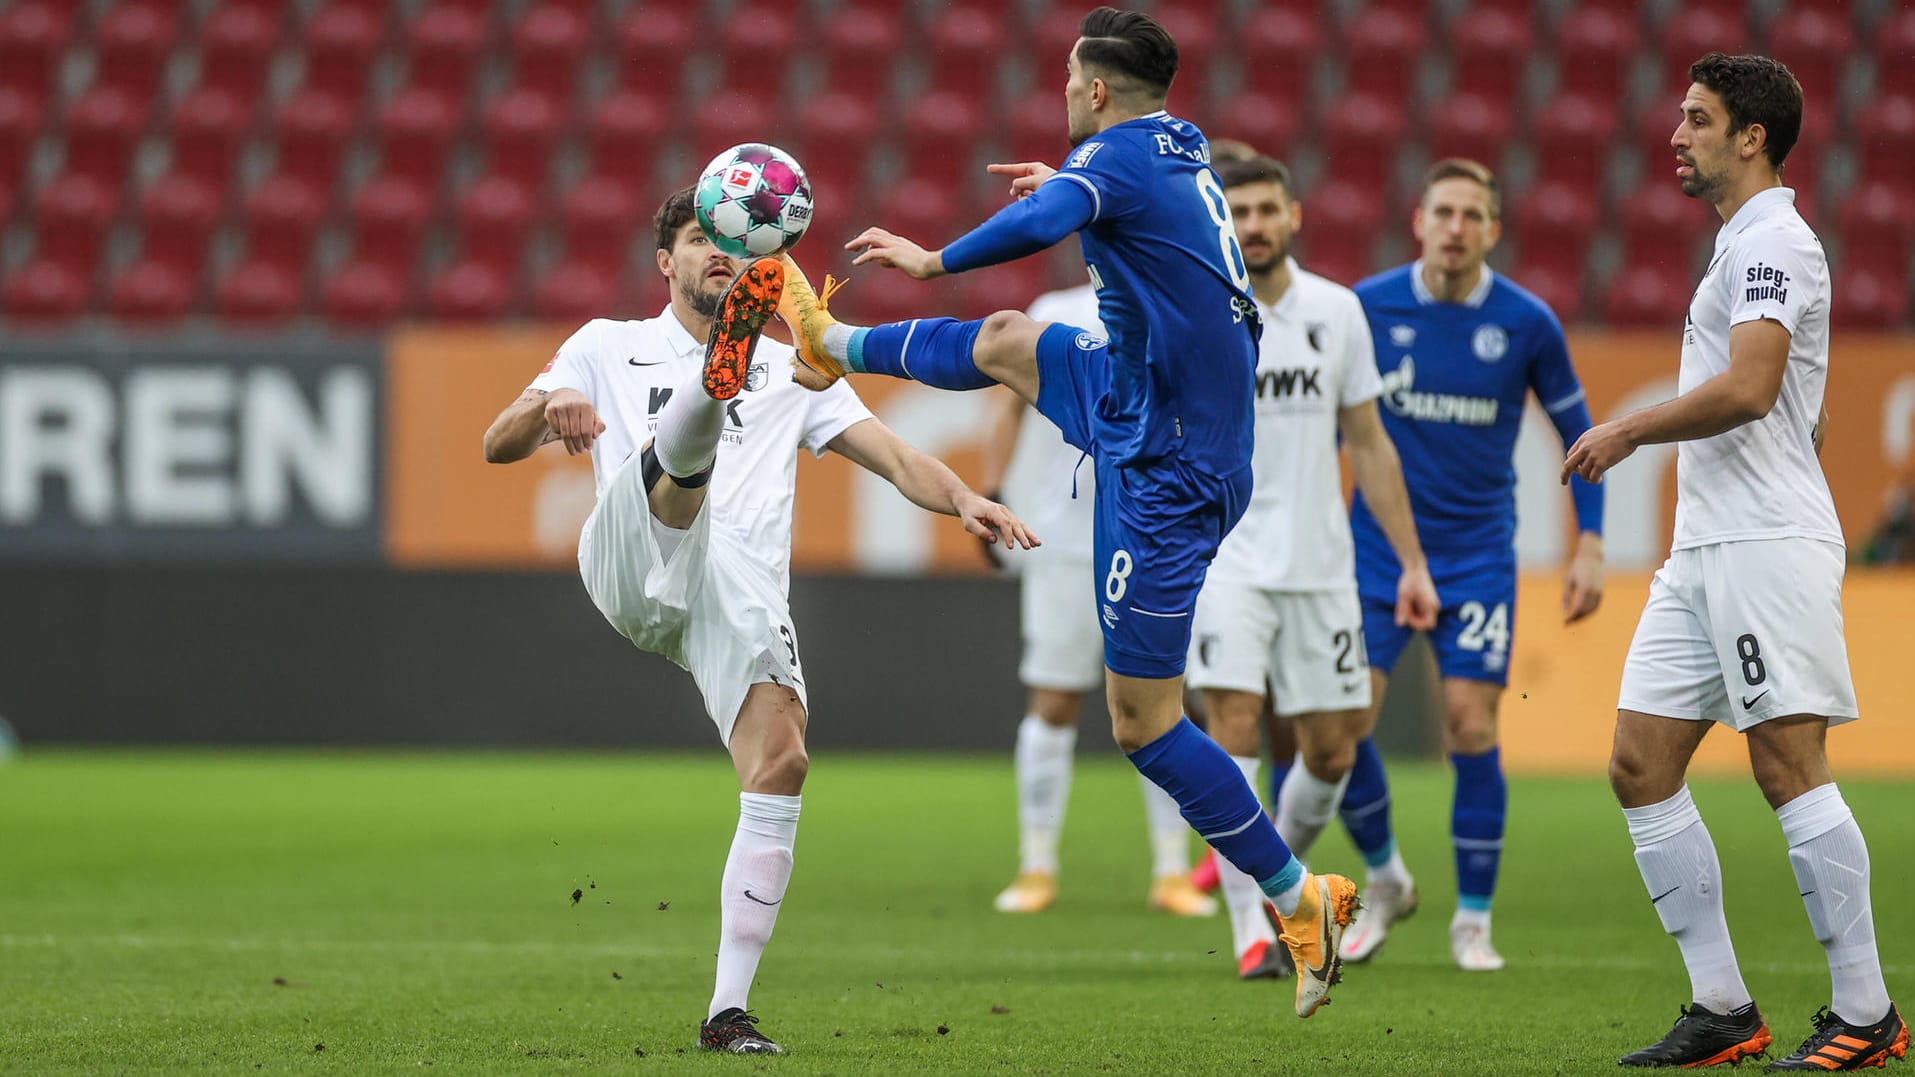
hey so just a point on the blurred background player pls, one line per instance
(1743, 625)
(1460, 349)
(708, 590)
(1063, 649)
(1279, 608)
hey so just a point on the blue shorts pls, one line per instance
(1474, 628)
(1157, 526)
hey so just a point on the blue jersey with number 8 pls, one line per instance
(1174, 295)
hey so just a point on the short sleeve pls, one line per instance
(1771, 275)
(1360, 379)
(831, 413)
(1110, 168)
(1551, 376)
(575, 365)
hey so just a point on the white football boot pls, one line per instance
(1384, 903)
(1469, 945)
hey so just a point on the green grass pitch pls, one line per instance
(414, 912)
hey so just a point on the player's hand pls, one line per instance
(571, 418)
(993, 552)
(1416, 601)
(1026, 176)
(992, 522)
(1582, 580)
(885, 249)
(1599, 449)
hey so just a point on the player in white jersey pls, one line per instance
(675, 425)
(1063, 646)
(1278, 615)
(1744, 620)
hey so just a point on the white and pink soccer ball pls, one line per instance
(753, 200)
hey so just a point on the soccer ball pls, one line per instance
(753, 200)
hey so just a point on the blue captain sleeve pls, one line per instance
(1026, 226)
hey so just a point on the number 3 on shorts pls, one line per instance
(1118, 581)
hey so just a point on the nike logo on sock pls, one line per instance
(1664, 894)
(760, 900)
(1806, 893)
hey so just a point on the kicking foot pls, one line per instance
(1383, 905)
(808, 313)
(1838, 1045)
(736, 1032)
(1174, 895)
(747, 305)
(1703, 1037)
(1313, 934)
(1031, 891)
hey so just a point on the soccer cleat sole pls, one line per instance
(1879, 1060)
(750, 302)
(1733, 1056)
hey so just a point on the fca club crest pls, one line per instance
(757, 376)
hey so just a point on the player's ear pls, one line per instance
(1416, 222)
(1296, 217)
(665, 263)
(1495, 230)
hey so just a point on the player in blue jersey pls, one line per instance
(1165, 411)
(1460, 349)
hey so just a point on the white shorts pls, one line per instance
(1306, 645)
(1741, 632)
(698, 597)
(1063, 645)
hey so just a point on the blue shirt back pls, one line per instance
(1455, 376)
(1174, 295)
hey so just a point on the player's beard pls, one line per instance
(1700, 184)
(704, 302)
(1270, 261)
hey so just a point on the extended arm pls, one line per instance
(1024, 227)
(928, 483)
(1379, 475)
(537, 417)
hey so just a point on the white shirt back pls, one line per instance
(1316, 359)
(629, 369)
(1762, 479)
(1063, 522)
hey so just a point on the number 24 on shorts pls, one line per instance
(1484, 627)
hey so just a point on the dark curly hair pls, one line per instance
(672, 216)
(1755, 89)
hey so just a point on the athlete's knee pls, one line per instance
(1326, 746)
(1056, 708)
(1637, 778)
(1470, 721)
(1783, 778)
(1006, 340)
(780, 769)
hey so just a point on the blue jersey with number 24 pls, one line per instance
(1174, 295)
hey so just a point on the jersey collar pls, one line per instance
(1475, 298)
(681, 340)
(1286, 303)
(1759, 205)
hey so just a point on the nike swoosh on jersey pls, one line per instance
(1747, 703)
(635, 362)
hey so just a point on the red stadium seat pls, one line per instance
(1362, 138)
(1803, 171)
(443, 49)
(1595, 47)
(1558, 286)
(495, 217)
(1196, 39)
(33, 38)
(624, 130)
(1342, 208)
(1885, 135)
(548, 47)
(1385, 48)
(1573, 139)
(364, 295)
(1471, 125)
(921, 209)
(837, 127)
(753, 48)
(1877, 221)
(102, 130)
(1895, 55)
(209, 128)
(44, 291)
(1270, 124)
(282, 217)
(522, 128)
(654, 41)
(728, 118)
(71, 217)
(861, 45)
(1006, 287)
(177, 216)
(341, 40)
(1038, 130)
(598, 219)
(235, 45)
(415, 131)
(1651, 296)
(939, 138)
(1661, 226)
(1555, 224)
(966, 45)
(1692, 32)
(311, 129)
(1869, 298)
(258, 293)
(151, 292)
(134, 41)
(1816, 46)
(1281, 46)
(1490, 50)
(1052, 39)
(469, 292)
(389, 215)
(574, 292)
(19, 126)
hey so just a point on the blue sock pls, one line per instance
(1218, 804)
(1366, 807)
(1279, 770)
(935, 351)
(1476, 825)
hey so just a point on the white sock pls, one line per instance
(1169, 834)
(1474, 917)
(1679, 866)
(1831, 870)
(1044, 756)
(1305, 806)
(756, 874)
(1392, 872)
(837, 340)
(1241, 894)
(688, 428)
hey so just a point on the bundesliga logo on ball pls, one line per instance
(753, 200)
